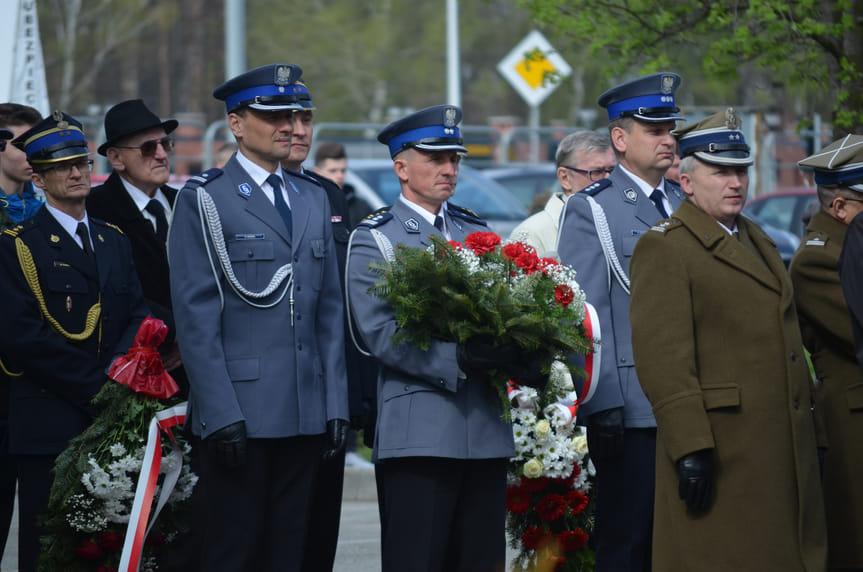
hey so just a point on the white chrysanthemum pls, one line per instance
(117, 450)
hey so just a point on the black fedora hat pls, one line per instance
(130, 117)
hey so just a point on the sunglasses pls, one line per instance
(2, 145)
(148, 148)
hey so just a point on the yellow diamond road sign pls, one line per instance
(534, 68)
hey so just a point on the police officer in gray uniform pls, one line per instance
(257, 303)
(441, 445)
(599, 228)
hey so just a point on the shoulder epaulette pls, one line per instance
(302, 176)
(465, 213)
(377, 218)
(666, 225)
(112, 225)
(594, 188)
(13, 231)
(202, 179)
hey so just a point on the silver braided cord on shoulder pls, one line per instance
(604, 235)
(210, 217)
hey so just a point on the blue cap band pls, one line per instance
(728, 140)
(395, 144)
(249, 94)
(653, 100)
(854, 176)
(54, 137)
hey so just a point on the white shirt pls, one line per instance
(648, 190)
(70, 224)
(429, 216)
(259, 175)
(142, 199)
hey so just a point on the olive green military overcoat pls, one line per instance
(718, 351)
(826, 329)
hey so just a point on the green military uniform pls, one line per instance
(719, 355)
(825, 323)
(826, 329)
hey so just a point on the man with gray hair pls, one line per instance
(581, 159)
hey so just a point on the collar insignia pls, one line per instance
(412, 225)
(55, 239)
(245, 190)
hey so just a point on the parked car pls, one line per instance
(783, 209)
(786, 241)
(377, 184)
(524, 181)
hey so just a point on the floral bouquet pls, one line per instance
(453, 292)
(548, 508)
(94, 496)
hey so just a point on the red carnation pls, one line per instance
(535, 537)
(572, 540)
(564, 295)
(89, 550)
(577, 501)
(523, 256)
(517, 500)
(455, 244)
(482, 242)
(533, 485)
(551, 507)
(110, 541)
(512, 250)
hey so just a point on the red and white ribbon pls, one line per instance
(137, 530)
(592, 360)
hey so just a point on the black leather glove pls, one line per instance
(337, 438)
(695, 482)
(605, 433)
(529, 372)
(478, 355)
(228, 444)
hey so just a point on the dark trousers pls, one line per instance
(624, 506)
(256, 516)
(322, 537)
(8, 476)
(441, 514)
(34, 487)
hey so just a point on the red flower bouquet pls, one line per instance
(90, 504)
(453, 292)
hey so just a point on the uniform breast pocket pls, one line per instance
(318, 261)
(252, 261)
(65, 290)
(628, 244)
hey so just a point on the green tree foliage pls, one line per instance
(814, 43)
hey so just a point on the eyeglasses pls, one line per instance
(593, 174)
(64, 168)
(2, 145)
(148, 148)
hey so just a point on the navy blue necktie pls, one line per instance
(656, 197)
(438, 223)
(156, 209)
(279, 200)
(81, 231)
